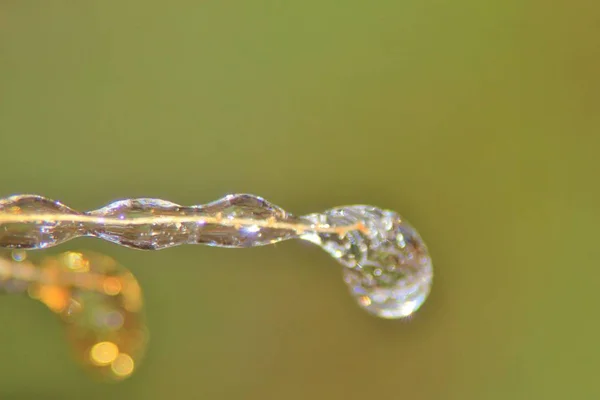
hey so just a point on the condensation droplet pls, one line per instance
(387, 269)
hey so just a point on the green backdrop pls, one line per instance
(477, 120)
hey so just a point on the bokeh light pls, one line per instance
(99, 301)
(104, 353)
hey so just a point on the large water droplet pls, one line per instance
(387, 269)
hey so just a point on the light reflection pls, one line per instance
(365, 301)
(251, 229)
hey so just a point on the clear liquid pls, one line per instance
(386, 263)
(38, 234)
(160, 235)
(388, 270)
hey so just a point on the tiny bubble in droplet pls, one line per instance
(400, 241)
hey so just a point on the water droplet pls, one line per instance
(35, 234)
(222, 228)
(388, 269)
(387, 265)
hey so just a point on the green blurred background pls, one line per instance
(477, 120)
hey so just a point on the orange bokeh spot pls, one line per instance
(112, 286)
(55, 297)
